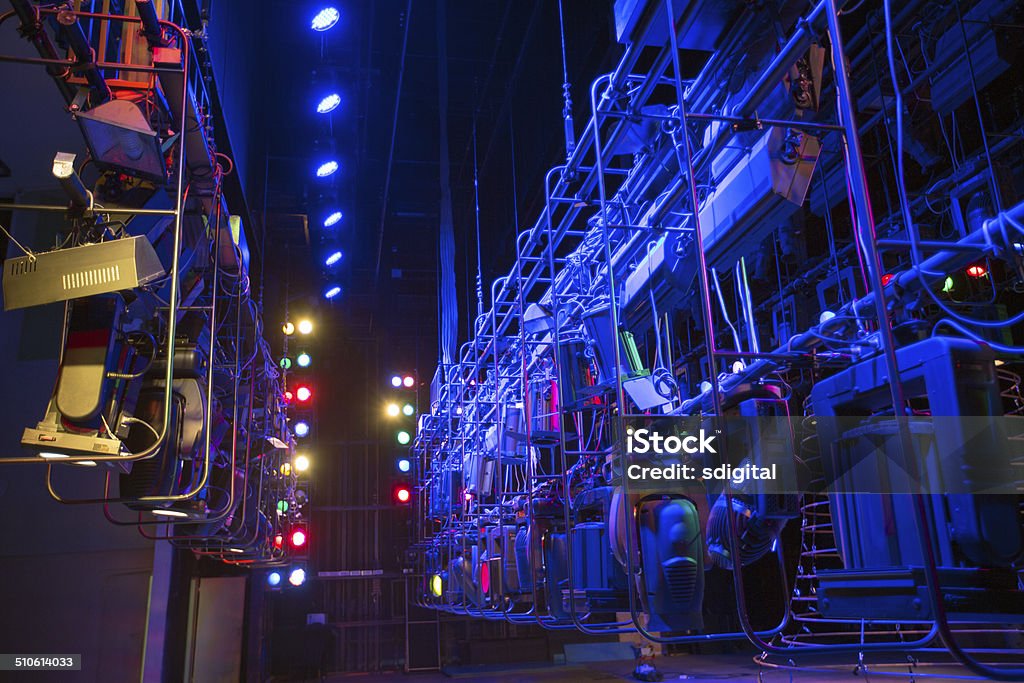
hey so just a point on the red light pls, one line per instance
(278, 541)
(303, 394)
(977, 270)
(887, 278)
(298, 538)
(408, 381)
(402, 495)
(288, 396)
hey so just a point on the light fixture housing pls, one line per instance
(303, 359)
(301, 429)
(332, 258)
(119, 137)
(297, 577)
(305, 326)
(332, 219)
(325, 19)
(328, 103)
(328, 168)
(332, 292)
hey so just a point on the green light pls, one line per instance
(403, 437)
(408, 409)
(285, 363)
(282, 506)
(947, 286)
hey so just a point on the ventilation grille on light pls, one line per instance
(681, 578)
(22, 267)
(92, 277)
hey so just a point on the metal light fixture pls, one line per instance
(119, 137)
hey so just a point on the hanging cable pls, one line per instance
(570, 129)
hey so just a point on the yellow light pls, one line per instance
(286, 469)
(288, 329)
(301, 463)
(436, 585)
(392, 410)
(305, 326)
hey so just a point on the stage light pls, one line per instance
(402, 494)
(333, 258)
(305, 326)
(948, 285)
(304, 359)
(332, 291)
(404, 465)
(887, 278)
(332, 220)
(326, 169)
(325, 19)
(301, 429)
(298, 538)
(436, 585)
(302, 463)
(164, 512)
(328, 104)
(286, 469)
(392, 410)
(303, 394)
(278, 540)
(396, 381)
(408, 410)
(274, 578)
(285, 363)
(282, 506)
(297, 577)
(119, 136)
(288, 329)
(977, 270)
(403, 437)
(408, 381)
(287, 397)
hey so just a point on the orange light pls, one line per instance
(977, 270)
(278, 540)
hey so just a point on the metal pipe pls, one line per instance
(150, 23)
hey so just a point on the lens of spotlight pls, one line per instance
(288, 329)
(392, 410)
(326, 169)
(403, 437)
(274, 578)
(404, 465)
(332, 220)
(325, 19)
(332, 292)
(302, 463)
(402, 495)
(333, 258)
(305, 326)
(328, 104)
(396, 381)
(436, 585)
(304, 359)
(408, 381)
(408, 410)
(297, 577)
(303, 394)
(298, 538)
(301, 429)
(286, 469)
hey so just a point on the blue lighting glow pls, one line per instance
(301, 429)
(274, 578)
(404, 465)
(332, 219)
(326, 169)
(297, 577)
(332, 259)
(304, 359)
(325, 19)
(328, 104)
(332, 292)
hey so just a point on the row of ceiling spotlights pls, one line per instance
(324, 20)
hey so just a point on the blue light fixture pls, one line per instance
(304, 359)
(332, 219)
(274, 578)
(332, 291)
(301, 429)
(333, 258)
(325, 19)
(326, 169)
(404, 465)
(328, 104)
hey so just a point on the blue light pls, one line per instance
(297, 577)
(404, 465)
(328, 104)
(326, 169)
(303, 360)
(301, 429)
(332, 292)
(332, 259)
(332, 219)
(325, 19)
(274, 578)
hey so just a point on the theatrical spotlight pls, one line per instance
(332, 220)
(119, 137)
(301, 429)
(64, 171)
(328, 104)
(288, 329)
(298, 538)
(325, 19)
(304, 359)
(305, 326)
(332, 292)
(408, 381)
(297, 577)
(404, 465)
(392, 410)
(326, 169)
(408, 410)
(301, 463)
(332, 258)
(303, 394)
(403, 437)
(396, 381)
(274, 579)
